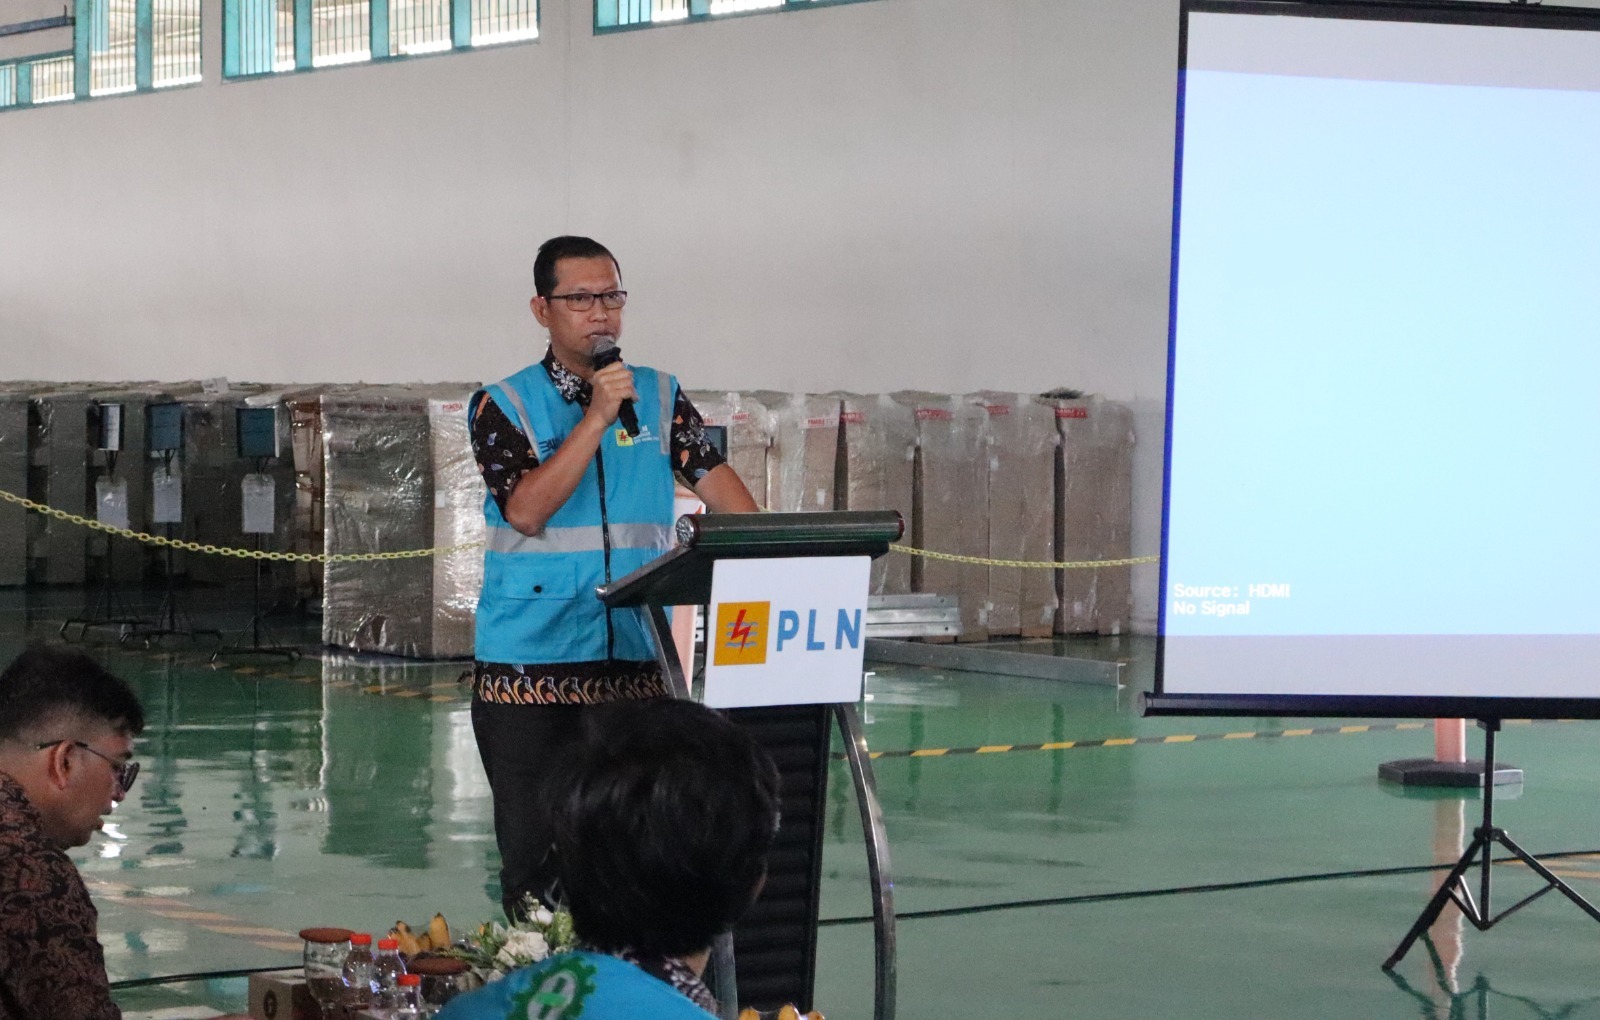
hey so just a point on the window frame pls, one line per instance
(606, 13)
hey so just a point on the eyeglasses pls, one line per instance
(125, 771)
(612, 299)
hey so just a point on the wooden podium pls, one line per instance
(785, 595)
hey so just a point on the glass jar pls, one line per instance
(325, 952)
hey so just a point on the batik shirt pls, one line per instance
(51, 964)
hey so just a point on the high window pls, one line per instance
(118, 46)
(618, 14)
(269, 36)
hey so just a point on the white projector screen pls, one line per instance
(1383, 432)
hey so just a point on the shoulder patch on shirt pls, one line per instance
(559, 993)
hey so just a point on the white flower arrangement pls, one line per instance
(497, 949)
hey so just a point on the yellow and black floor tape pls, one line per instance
(457, 690)
(1184, 738)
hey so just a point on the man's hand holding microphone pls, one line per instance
(612, 383)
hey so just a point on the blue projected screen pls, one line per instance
(1383, 429)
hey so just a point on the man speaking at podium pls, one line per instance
(578, 452)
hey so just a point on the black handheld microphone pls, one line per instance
(606, 352)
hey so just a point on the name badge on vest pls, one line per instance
(644, 436)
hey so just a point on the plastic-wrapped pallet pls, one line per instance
(1094, 514)
(58, 476)
(805, 448)
(458, 494)
(749, 435)
(951, 509)
(213, 480)
(131, 562)
(301, 407)
(13, 479)
(1022, 455)
(877, 471)
(400, 475)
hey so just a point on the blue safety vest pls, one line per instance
(538, 603)
(567, 986)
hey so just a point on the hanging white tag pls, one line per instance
(166, 490)
(258, 499)
(111, 502)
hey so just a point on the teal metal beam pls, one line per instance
(143, 44)
(40, 25)
(24, 84)
(82, 38)
(461, 23)
(302, 34)
(230, 38)
(379, 29)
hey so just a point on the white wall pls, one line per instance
(941, 194)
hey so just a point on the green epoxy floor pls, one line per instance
(346, 791)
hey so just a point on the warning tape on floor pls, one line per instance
(411, 554)
(459, 689)
(1184, 738)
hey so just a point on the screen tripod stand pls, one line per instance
(1455, 887)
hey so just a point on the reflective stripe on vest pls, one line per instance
(668, 406)
(589, 538)
(523, 421)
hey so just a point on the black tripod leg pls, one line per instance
(1435, 906)
(1549, 876)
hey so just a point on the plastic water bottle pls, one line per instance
(408, 998)
(359, 976)
(386, 970)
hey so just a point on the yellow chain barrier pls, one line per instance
(984, 561)
(217, 550)
(411, 554)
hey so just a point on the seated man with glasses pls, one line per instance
(579, 453)
(66, 749)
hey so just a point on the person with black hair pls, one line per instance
(663, 819)
(578, 453)
(66, 760)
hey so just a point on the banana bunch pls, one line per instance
(437, 936)
(786, 1013)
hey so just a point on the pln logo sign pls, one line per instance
(742, 633)
(787, 631)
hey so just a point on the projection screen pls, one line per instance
(1383, 436)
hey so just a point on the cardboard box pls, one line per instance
(877, 471)
(950, 511)
(1094, 514)
(281, 995)
(805, 447)
(1021, 455)
(749, 425)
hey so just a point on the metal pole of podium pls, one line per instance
(879, 871)
(667, 652)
